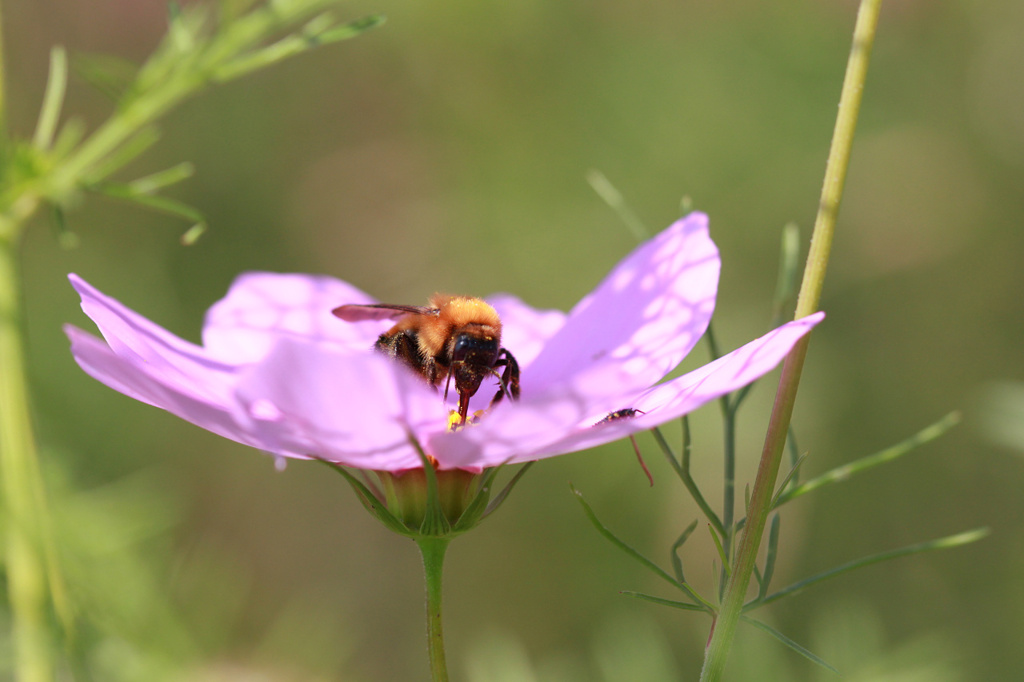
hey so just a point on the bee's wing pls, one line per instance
(358, 312)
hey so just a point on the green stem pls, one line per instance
(432, 549)
(3, 83)
(724, 627)
(19, 466)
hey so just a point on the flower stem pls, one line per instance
(19, 466)
(810, 293)
(432, 549)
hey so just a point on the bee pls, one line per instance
(454, 338)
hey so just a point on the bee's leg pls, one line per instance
(447, 383)
(430, 371)
(509, 377)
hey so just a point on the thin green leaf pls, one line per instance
(685, 605)
(790, 643)
(683, 471)
(71, 133)
(173, 58)
(158, 203)
(352, 28)
(721, 550)
(232, 9)
(789, 269)
(53, 99)
(677, 562)
(111, 76)
(928, 546)
(742, 523)
(769, 559)
(156, 181)
(611, 196)
(794, 451)
(611, 537)
(316, 33)
(65, 237)
(182, 34)
(192, 234)
(889, 454)
(740, 395)
(709, 336)
(500, 497)
(789, 477)
(120, 157)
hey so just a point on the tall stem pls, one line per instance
(19, 466)
(724, 627)
(433, 549)
(3, 83)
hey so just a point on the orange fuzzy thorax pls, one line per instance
(457, 313)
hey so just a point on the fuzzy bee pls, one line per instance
(455, 338)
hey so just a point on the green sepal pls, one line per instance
(370, 502)
(434, 522)
(476, 509)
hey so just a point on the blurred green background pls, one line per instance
(447, 150)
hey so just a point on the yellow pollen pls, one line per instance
(454, 423)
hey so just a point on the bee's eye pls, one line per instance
(471, 349)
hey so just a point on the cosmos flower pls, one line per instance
(278, 372)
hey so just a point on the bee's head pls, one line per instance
(473, 356)
(474, 349)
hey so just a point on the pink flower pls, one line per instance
(278, 372)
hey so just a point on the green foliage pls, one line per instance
(54, 169)
(724, 530)
(198, 50)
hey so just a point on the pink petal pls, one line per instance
(146, 345)
(642, 320)
(623, 337)
(134, 378)
(525, 330)
(358, 409)
(261, 307)
(660, 404)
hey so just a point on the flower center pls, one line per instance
(455, 421)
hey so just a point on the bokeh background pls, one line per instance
(447, 150)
